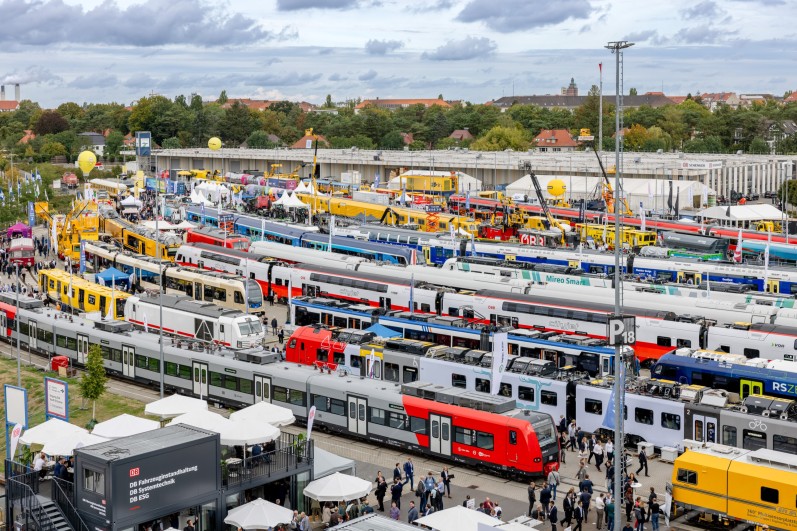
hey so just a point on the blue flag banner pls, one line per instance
(31, 215)
(608, 416)
(82, 256)
(467, 200)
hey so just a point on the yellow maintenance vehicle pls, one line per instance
(81, 223)
(604, 235)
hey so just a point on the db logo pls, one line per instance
(134, 472)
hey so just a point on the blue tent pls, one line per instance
(382, 331)
(113, 276)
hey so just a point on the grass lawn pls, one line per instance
(109, 406)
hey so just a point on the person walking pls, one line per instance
(597, 451)
(409, 471)
(545, 496)
(396, 491)
(643, 462)
(654, 509)
(568, 504)
(553, 481)
(421, 493)
(274, 325)
(571, 434)
(281, 336)
(610, 514)
(553, 515)
(397, 472)
(579, 515)
(447, 480)
(532, 497)
(600, 507)
(412, 514)
(381, 490)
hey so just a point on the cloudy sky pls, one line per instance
(476, 50)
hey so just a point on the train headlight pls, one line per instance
(537, 459)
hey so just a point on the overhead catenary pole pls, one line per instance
(16, 319)
(159, 252)
(619, 363)
(600, 108)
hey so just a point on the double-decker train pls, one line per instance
(441, 423)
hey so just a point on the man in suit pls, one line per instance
(409, 471)
(397, 472)
(412, 514)
(643, 462)
(395, 492)
(553, 517)
(579, 516)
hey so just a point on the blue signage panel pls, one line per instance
(143, 143)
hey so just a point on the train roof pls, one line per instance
(358, 275)
(213, 231)
(721, 362)
(359, 244)
(181, 302)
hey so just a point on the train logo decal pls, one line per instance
(784, 388)
(757, 425)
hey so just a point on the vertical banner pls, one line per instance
(31, 215)
(642, 216)
(82, 256)
(500, 355)
(16, 411)
(262, 228)
(310, 419)
(467, 200)
(56, 399)
(16, 431)
(737, 254)
(143, 143)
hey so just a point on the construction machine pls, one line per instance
(552, 222)
(608, 191)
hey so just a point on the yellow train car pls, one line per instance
(143, 243)
(604, 234)
(85, 296)
(726, 484)
(425, 220)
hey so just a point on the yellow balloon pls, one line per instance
(214, 143)
(86, 161)
(557, 187)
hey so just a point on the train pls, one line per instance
(72, 291)
(113, 189)
(731, 372)
(495, 435)
(228, 290)
(217, 237)
(726, 486)
(21, 252)
(192, 319)
(663, 413)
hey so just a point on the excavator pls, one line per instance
(608, 191)
(552, 222)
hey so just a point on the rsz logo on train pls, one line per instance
(784, 388)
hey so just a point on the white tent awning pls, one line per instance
(337, 487)
(264, 412)
(67, 444)
(231, 433)
(326, 463)
(259, 514)
(124, 425)
(457, 518)
(48, 431)
(175, 405)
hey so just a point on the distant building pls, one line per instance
(308, 142)
(570, 90)
(27, 137)
(461, 134)
(555, 140)
(748, 100)
(778, 130)
(791, 98)
(8, 105)
(392, 104)
(94, 141)
(677, 100)
(260, 105)
(571, 102)
(408, 138)
(713, 100)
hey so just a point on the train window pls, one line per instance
(548, 398)
(463, 436)
(482, 385)
(377, 415)
(435, 429)
(595, 407)
(215, 379)
(296, 398)
(171, 368)
(459, 380)
(770, 495)
(231, 383)
(397, 420)
(292, 343)
(663, 341)
(753, 440)
(643, 416)
(525, 393)
(505, 390)
(281, 394)
(391, 372)
(784, 443)
(484, 440)
(687, 476)
(683, 343)
(238, 298)
(141, 362)
(154, 364)
(92, 299)
(454, 312)
(729, 436)
(750, 353)
(512, 437)
(671, 421)
(410, 374)
(418, 425)
(339, 358)
(355, 362)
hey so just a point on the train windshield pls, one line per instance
(241, 245)
(253, 292)
(250, 327)
(544, 428)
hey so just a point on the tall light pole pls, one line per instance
(600, 110)
(159, 252)
(617, 48)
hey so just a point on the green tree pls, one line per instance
(360, 141)
(94, 380)
(237, 124)
(392, 140)
(50, 123)
(635, 137)
(632, 92)
(500, 138)
(759, 146)
(222, 98)
(259, 140)
(113, 143)
(328, 103)
(171, 143)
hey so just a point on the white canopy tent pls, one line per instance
(185, 225)
(130, 201)
(49, 431)
(200, 199)
(326, 463)
(67, 444)
(740, 216)
(290, 201)
(124, 425)
(212, 191)
(337, 487)
(457, 518)
(259, 514)
(301, 188)
(174, 406)
(232, 433)
(264, 412)
(161, 225)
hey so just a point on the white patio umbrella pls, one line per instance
(231, 433)
(175, 405)
(206, 420)
(124, 425)
(49, 431)
(265, 412)
(67, 444)
(337, 487)
(259, 514)
(457, 518)
(185, 225)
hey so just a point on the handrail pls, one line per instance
(62, 495)
(31, 506)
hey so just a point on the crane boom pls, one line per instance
(608, 196)
(552, 221)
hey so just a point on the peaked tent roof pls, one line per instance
(112, 275)
(382, 331)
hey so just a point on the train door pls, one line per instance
(4, 325)
(385, 302)
(511, 449)
(427, 255)
(128, 361)
(310, 291)
(440, 439)
(570, 401)
(773, 286)
(262, 388)
(750, 387)
(358, 418)
(197, 291)
(32, 334)
(704, 428)
(438, 303)
(81, 298)
(200, 378)
(689, 277)
(82, 347)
